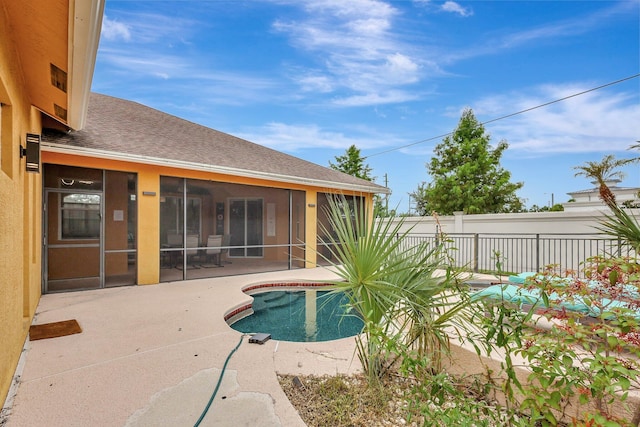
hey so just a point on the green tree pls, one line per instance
(352, 163)
(555, 208)
(467, 175)
(380, 208)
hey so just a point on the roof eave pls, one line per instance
(157, 161)
(85, 24)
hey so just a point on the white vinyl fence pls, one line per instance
(523, 252)
(520, 242)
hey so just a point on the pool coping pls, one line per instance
(246, 309)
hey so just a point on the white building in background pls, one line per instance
(589, 200)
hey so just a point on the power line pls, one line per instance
(510, 115)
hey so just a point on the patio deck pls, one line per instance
(152, 355)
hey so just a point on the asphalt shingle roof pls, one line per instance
(125, 129)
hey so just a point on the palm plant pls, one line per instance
(620, 224)
(603, 171)
(405, 295)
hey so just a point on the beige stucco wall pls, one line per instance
(20, 218)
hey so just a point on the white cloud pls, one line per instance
(114, 30)
(552, 31)
(146, 44)
(294, 138)
(356, 49)
(145, 63)
(447, 6)
(593, 122)
(154, 51)
(147, 28)
(379, 113)
(401, 68)
(189, 78)
(349, 9)
(316, 83)
(377, 98)
(152, 27)
(369, 26)
(452, 6)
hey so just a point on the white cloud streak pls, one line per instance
(299, 137)
(114, 30)
(451, 6)
(378, 98)
(149, 47)
(552, 31)
(593, 122)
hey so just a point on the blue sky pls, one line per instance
(312, 77)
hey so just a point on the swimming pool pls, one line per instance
(300, 316)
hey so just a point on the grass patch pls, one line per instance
(343, 400)
(439, 401)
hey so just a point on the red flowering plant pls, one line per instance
(588, 354)
(586, 359)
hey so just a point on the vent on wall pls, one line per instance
(58, 78)
(60, 112)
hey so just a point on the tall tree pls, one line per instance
(621, 223)
(352, 163)
(467, 175)
(605, 170)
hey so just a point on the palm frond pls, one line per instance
(408, 296)
(622, 225)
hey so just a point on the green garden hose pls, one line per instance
(215, 391)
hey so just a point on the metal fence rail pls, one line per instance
(522, 252)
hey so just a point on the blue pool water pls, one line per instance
(283, 314)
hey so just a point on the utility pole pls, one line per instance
(386, 196)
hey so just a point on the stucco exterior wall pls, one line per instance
(148, 225)
(311, 233)
(20, 218)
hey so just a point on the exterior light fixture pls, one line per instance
(32, 152)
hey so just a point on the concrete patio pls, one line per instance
(152, 356)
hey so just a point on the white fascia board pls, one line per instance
(134, 158)
(85, 24)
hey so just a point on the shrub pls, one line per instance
(586, 358)
(407, 296)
